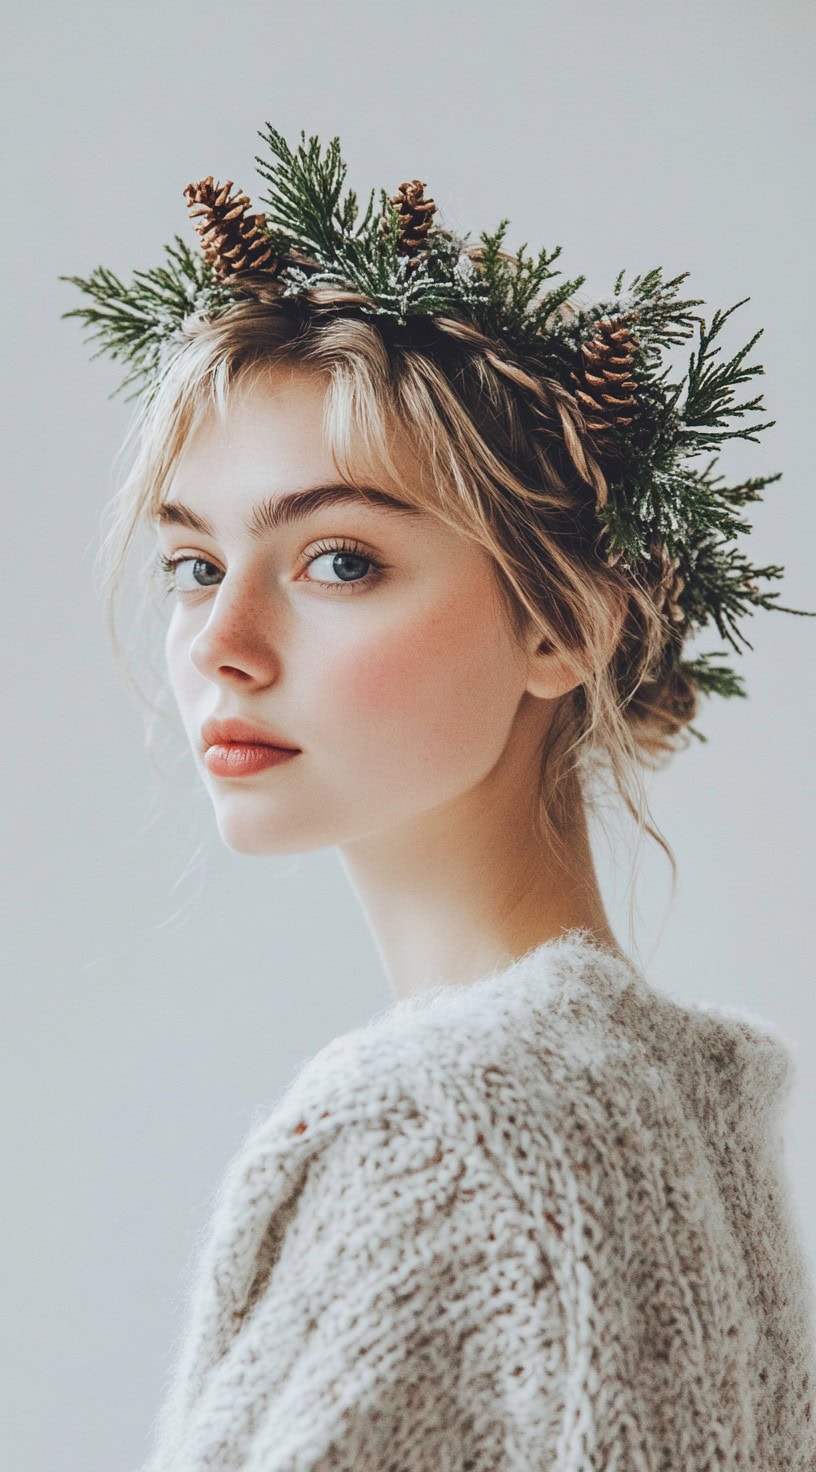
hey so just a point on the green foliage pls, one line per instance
(512, 305)
(307, 206)
(658, 493)
(305, 202)
(710, 392)
(135, 322)
(712, 679)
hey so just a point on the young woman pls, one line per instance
(533, 1214)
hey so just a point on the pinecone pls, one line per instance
(416, 216)
(670, 584)
(604, 386)
(231, 240)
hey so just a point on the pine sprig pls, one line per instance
(663, 320)
(660, 319)
(511, 303)
(305, 195)
(654, 491)
(133, 323)
(712, 679)
(725, 586)
(657, 496)
(710, 391)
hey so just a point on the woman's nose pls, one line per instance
(238, 640)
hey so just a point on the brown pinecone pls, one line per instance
(416, 216)
(231, 240)
(669, 585)
(604, 386)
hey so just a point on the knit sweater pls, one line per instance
(538, 1222)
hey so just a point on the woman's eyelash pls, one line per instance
(168, 566)
(351, 549)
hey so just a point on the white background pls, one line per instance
(158, 989)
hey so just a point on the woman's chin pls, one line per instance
(245, 833)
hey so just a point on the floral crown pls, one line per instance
(670, 521)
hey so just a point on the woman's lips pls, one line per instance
(244, 758)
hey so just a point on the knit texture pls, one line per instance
(535, 1223)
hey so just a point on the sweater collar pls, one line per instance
(743, 1058)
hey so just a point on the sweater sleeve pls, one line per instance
(384, 1318)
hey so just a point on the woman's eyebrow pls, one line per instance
(277, 511)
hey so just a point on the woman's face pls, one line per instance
(372, 639)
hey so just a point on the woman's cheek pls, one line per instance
(424, 676)
(359, 680)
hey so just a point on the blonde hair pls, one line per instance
(511, 465)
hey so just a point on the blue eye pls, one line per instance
(341, 556)
(169, 567)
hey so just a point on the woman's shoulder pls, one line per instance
(568, 1031)
(535, 1025)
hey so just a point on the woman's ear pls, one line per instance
(551, 674)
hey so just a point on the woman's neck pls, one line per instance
(468, 887)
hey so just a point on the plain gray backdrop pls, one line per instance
(160, 990)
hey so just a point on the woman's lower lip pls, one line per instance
(241, 759)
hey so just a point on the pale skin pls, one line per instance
(418, 714)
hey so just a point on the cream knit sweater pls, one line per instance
(535, 1223)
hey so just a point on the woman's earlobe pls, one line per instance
(550, 674)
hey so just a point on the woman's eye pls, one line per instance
(344, 563)
(176, 569)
